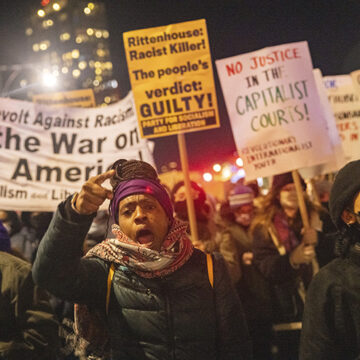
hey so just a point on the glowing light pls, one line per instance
(56, 6)
(96, 82)
(64, 70)
(41, 13)
(49, 79)
(217, 167)
(239, 162)
(64, 36)
(105, 34)
(98, 71)
(109, 65)
(75, 54)
(43, 46)
(90, 31)
(207, 177)
(226, 173)
(107, 99)
(78, 39)
(87, 11)
(76, 73)
(240, 174)
(97, 64)
(36, 47)
(44, 2)
(100, 52)
(98, 34)
(260, 181)
(82, 65)
(114, 84)
(29, 31)
(91, 6)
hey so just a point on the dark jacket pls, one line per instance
(331, 322)
(173, 317)
(28, 329)
(283, 279)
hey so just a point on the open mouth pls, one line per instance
(144, 236)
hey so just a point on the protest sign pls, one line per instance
(74, 98)
(355, 75)
(171, 77)
(274, 111)
(48, 153)
(338, 159)
(345, 103)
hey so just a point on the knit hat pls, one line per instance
(4, 239)
(240, 195)
(343, 191)
(136, 177)
(280, 180)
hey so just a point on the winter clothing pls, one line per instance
(240, 195)
(140, 186)
(28, 329)
(343, 190)
(178, 316)
(280, 180)
(331, 323)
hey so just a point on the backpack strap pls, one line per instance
(210, 269)
(108, 289)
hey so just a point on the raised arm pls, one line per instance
(59, 266)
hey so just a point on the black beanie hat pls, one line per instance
(280, 180)
(343, 191)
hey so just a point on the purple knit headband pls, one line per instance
(140, 186)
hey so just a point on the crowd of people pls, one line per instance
(133, 282)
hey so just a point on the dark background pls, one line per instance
(234, 27)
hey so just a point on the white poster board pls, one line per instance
(47, 153)
(338, 159)
(345, 103)
(273, 105)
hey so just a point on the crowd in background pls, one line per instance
(270, 257)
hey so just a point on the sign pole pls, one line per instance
(303, 211)
(189, 199)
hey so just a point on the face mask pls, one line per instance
(288, 199)
(243, 219)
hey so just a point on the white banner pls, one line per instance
(47, 153)
(274, 109)
(338, 159)
(345, 103)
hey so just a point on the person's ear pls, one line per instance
(348, 217)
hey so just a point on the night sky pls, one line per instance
(234, 27)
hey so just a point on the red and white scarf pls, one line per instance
(175, 251)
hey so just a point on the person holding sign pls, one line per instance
(147, 293)
(283, 252)
(331, 323)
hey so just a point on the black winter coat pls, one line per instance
(178, 316)
(331, 323)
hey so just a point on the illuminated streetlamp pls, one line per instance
(217, 167)
(207, 177)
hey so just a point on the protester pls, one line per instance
(28, 329)
(206, 227)
(331, 323)
(161, 303)
(11, 221)
(283, 252)
(236, 248)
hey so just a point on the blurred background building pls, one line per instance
(68, 49)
